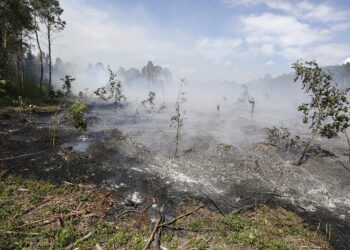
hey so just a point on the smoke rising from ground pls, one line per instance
(216, 111)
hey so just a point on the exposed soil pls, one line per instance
(224, 177)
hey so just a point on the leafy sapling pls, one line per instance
(112, 91)
(76, 113)
(178, 118)
(149, 101)
(281, 137)
(327, 111)
(67, 85)
(119, 98)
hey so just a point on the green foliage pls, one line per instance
(121, 238)
(195, 225)
(67, 85)
(327, 101)
(65, 236)
(199, 244)
(149, 100)
(235, 223)
(76, 113)
(112, 91)
(49, 13)
(280, 135)
(328, 110)
(30, 93)
(138, 243)
(20, 103)
(19, 21)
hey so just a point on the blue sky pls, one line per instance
(206, 39)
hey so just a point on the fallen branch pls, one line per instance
(217, 206)
(15, 232)
(80, 240)
(127, 212)
(32, 207)
(191, 229)
(253, 206)
(204, 191)
(238, 210)
(54, 218)
(133, 211)
(158, 236)
(181, 216)
(25, 155)
(155, 229)
(79, 185)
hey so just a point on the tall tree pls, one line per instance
(15, 23)
(49, 13)
(36, 10)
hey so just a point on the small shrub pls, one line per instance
(76, 114)
(67, 85)
(149, 101)
(281, 136)
(195, 225)
(234, 222)
(113, 90)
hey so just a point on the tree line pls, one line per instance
(22, 24)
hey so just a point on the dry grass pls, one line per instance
(38, 215)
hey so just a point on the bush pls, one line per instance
(281, 136)
(76, 113)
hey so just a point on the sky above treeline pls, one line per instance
(206, 39)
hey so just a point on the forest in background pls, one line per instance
(27, 69)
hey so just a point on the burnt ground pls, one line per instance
(223, 177)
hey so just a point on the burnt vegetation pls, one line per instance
(46, 134)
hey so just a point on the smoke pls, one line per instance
(215, 112)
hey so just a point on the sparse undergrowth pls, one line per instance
(38, 215)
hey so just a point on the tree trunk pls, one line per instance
(50, 64)
(5, 39)
(308, 145)
(177, 140)
(348, 140)
(178, 125)
(22, 63)
(41, 57)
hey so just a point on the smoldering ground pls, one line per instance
(224, 158)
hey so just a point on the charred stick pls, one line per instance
(155, 229)
(181, 216)
(54, 218)
(21, 156)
